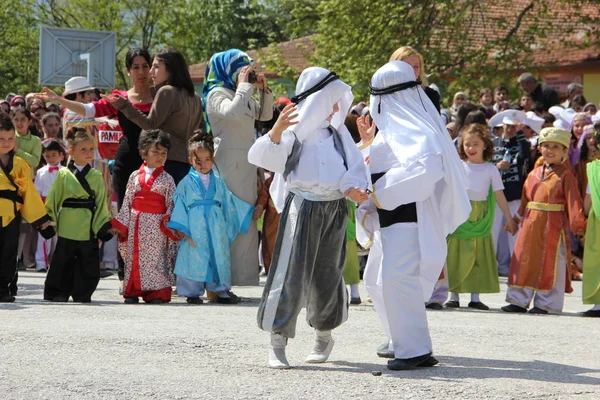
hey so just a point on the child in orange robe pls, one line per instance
(550, 202)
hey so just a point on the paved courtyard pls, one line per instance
(108, 350)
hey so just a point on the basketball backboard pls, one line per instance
(65, 53)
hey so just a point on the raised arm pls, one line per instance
(272, 150)
(49, 95)
(242, 104)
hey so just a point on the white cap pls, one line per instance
(567, 116)
(77, 84)
(508, 117)
(533, 121)
(559, 123)
(556, 110)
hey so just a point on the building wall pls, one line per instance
(588, 76)
(591, 88)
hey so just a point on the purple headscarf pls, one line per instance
(575, 151)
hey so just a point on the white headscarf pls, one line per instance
(312, 116)
(412, 127)
(316, 108)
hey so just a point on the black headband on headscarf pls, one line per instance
(332, 76)
(392, 89)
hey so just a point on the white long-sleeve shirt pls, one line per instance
(320, 174)
(44, 179)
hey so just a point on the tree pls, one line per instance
(203, 28)
(19, 61)
(466, 43)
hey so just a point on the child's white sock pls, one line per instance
(475, 297)
(596, 307)
(354, 290)
(454, 296)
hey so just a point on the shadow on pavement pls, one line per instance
(479, 368)
(499, 311)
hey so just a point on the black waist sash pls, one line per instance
(11, 195)
(90, 204)
(402, 213)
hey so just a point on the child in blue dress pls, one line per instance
(209, 217)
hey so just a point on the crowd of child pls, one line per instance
(531, 172)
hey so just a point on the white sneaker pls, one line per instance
(277, 359)
(322, 348)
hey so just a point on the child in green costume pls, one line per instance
(591, 253)
(471, 260)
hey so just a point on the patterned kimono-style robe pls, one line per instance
(212, 218)
(549, 204)
(145, 243)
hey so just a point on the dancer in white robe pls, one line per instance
(418, 198)
(316, 165)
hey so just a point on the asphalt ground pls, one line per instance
(109, 350)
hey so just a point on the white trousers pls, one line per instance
(551, 301)
(504, 255)
(45, 249)
(395, 289)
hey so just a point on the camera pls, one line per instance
(252, 77)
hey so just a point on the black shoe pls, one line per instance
(513, 308)
(42, 270)
(232, 299)
(430, 362)
(384, 351)
(400, 364)
(7, 298)
(591, 313)
(194, 300)
(434, 306)
(60, 299)
(478, 305)
(131, 300)
(105, 273)
(452, 304)
(355, 300)
(156, 301)
(88, 300)
(21, 266)
(537, 310)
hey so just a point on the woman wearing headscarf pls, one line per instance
(231, 112)
(418, 198)
(316, 164)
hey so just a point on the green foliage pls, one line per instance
(19, 61)
(356, 38)
(197, 28)
(209, 26)
(352, 38)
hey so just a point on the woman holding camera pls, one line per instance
(229, 84)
